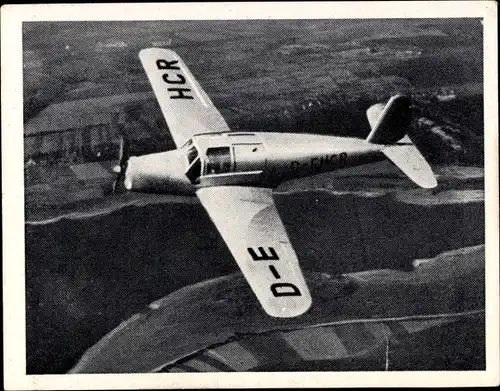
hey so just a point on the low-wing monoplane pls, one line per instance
(234, 173)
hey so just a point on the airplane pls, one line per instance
(234, 173)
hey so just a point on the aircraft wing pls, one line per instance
(186, 107)
(250, 224)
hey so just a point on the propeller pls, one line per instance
(121, 168)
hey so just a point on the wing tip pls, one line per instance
(289, 311)
(430, 183)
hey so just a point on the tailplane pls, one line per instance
(389, 124)
(408, 159)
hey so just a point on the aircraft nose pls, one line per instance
(156, 173)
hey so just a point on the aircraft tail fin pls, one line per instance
(389, 122)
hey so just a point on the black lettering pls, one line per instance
(180, 93)
(274, 271)
(263, 255)
(282, 289)
(181, 80)
(164, 64)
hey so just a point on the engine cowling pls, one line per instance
(158, 173)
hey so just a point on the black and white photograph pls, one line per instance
(273, 196)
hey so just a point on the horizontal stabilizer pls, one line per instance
(409, 160)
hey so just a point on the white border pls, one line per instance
(12, 17)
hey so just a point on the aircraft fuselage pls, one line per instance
(246, 159)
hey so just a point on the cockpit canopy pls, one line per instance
(216, 154)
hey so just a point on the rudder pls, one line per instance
(390, 122)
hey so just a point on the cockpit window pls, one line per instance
(218, 160)
(194, 170)
(192, 154)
